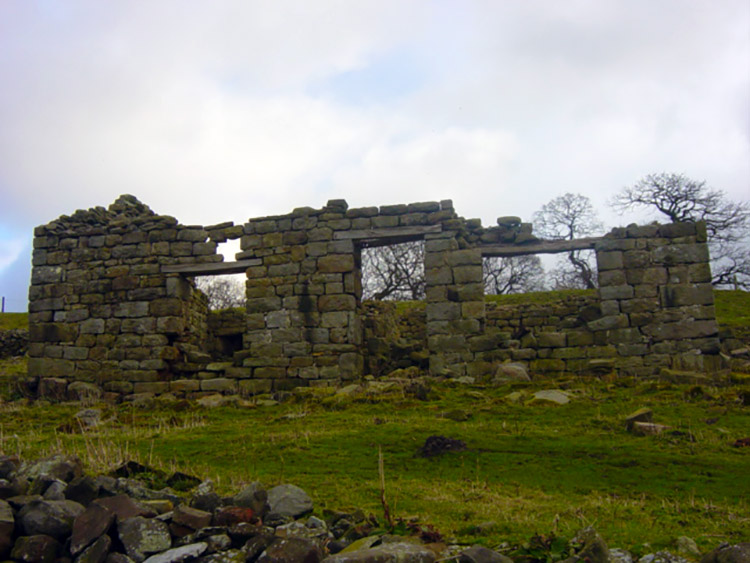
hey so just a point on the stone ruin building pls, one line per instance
(113, 304)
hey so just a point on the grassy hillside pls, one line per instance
(528, 468)
(10, 321)
(733, 311)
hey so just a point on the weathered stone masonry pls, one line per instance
(113, 303)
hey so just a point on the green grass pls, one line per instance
(10, 321)
(733, 311)
(529, 468)
(538, 297)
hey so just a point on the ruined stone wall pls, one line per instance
(100, 308)
(112, 302)
(653, 310)
(657, 301)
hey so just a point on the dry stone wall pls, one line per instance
(113, 302)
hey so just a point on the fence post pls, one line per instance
(2, 307)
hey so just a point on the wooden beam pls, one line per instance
(387, 235)
(216, 268)
(538, 247)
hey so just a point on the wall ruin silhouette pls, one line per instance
(113, 305)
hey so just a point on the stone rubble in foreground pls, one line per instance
(50, 511)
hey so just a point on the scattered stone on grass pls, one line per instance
(49, 517)
(7, 525)
(229, 532)
(437, 445)
(687, 546)
(177, 554)
(289, 500)
(553, 396)
(641, 415)
(647, 428)
(481, 554)
(737, 553)
(510, 371)
(35, 549)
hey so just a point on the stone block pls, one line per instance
(468, 257)
(609, 323)
(568, 353)
(92, 326)
(336, 263)
(652, 276)
(472, 310)
(682, 295)
(75, 353)
(681, 254)
(676, 230)
(610, 260)
(446, 343)
(680, 331)
(443, 311)
(616, 292)
(640, 319)
(269, 372)
(612, 278)
(634, 349)
(170, 325)
(467, 274)
(336, 302)
(132, 309)
(645, 290)
(362, 212)
(281, 270)
(155, 387)
(699, 273)
(219, 385)
(438, 276)
(263, 305)
(579, 338)
(436, 246)
(551, 365)
(551, 339)
(53, 388)
(184, 386)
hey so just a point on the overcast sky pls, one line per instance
(225, 110)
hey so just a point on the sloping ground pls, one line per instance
(529, 466)
(733, 312)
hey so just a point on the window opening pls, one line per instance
(394, 272)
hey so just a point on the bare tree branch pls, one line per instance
(394, 272)
(568, 217)
(516, 274)
(681, 199)
(223, 292)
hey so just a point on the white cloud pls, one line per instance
(466, 165)
(208, 111)
(10, 250)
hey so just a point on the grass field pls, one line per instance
(528, 468)
(11, 321)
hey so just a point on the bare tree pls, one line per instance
(223, 292)
(567, 217)
(681, 199)
(394, 272)
(515, 274)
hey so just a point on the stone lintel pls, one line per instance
(387, 235)
(539, 247)
(237, 267)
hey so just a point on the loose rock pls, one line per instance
(289, 500)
